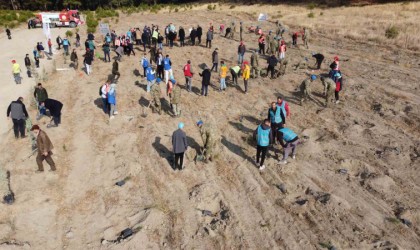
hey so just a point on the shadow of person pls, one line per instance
(251, 119)
(239, 126)
(238, 150)
(163, 152)
(144, 102)
(193, 144)
(99, 103)
(143, 86)
(136, 72)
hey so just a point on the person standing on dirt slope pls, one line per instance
(215, 59)
(138, 36)
(36, 57)
(283, 67)
(167, 66)
(329, 89)
(181, 34)
(289, 141)
(60, 41)
(88, 61)
(144, 62)
(305, 89)
(77, 40)
(112, 101)
(55, 108)
(339, 86)
(261, 45)
(40, 95)
(153, 53)
(263, 135)
(49, 43)
(28, 65)
(104, 95)
(8, 33)
(246, 75)
(179, 146)
(209, 37)
(205, 82)
(175, 98)
(156, 93)
(188, 73)
(229, 33)
(115, 71)
(223, 73)
(144, 39)
(107, 51)
(284, 108)
(160, 42)
(150, 77)
(193, 36)
(16, 72)
(241, 52)
(17, 111)
(235, 71)
(45, 147)
(268, 39)
(255, 71)
(272, 63)
(209, 140)
(92, 46)
(159, 63)
(305, 37)
(282, 50)
(335, 68)
(319, 59)
(276, 116)
(66, 45)
(294, 38)
(241, 30)
(199, 34)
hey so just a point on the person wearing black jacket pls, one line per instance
(28, 65)
(206, 75)
(193, 35)
(272, 63)
(88, 61)
(17, 111)
(181, 34)
(199, 33)
(319, 59)
(54, 107)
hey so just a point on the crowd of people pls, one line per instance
(157, 69)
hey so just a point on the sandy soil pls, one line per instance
(373, 134)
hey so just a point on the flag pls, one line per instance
(262, 17)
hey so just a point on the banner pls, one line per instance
(104, 28)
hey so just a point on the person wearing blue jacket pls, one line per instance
(150, 77)
(264, 138)
(289, 141)
(112, 101)
(168, 69)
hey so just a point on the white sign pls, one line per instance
(262, 17)
(104, 28)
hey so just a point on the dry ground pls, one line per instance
(373, 133)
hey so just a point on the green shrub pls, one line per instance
(321, 13)
(91, 29)
(176, 9)
(69, 33)
(311, 6)
(311, 15)
(209, 7)
(232, 7)
(214, 7)
(391, 32)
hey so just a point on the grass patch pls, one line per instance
(311, 15)
(391, 32)
(12, 18)
(311, 6)
(232, 7)
(69, 33)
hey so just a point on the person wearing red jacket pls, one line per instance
(188, 73)
(285, 108)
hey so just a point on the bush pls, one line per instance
(311, 15)
(69, 33)
(232, 7)
(209, 7)
(321, 13)
(176, 9)
(214, 7)
(311, 6)
(391, 32)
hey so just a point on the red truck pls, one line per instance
(65, 18)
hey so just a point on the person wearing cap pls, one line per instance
(167, 66)
(274, 46)
(289, 141)
(209, 37)
(241, 52)
(264, 137)
(319, 58)
(284, 108)
(305, 37)
(305, 89)
(112, 101)
(28, 65)
(205, 81)
(156, 93)
(175, 98)
(209, 139)
(40, 95)
(245, 75)
(179, 146)
(17, 111)
(329, 88)
(45, 147)
(339, 86)
(16, 72)
(188, 73)
(235, 71)
(215, 59)
(55, 108)
(223, 74)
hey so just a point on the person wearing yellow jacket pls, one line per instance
(223, 73)
(246, 73)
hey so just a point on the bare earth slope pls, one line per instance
(374, 134)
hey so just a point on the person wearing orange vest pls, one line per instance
(188, 73)
(246, 74)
